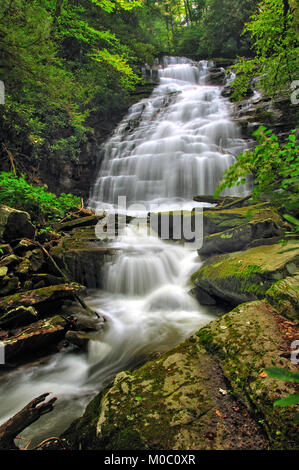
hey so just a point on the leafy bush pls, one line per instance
(41, 204)
(274, 166)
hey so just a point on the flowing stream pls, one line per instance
(169, 148)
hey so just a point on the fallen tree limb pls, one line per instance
(28, 415)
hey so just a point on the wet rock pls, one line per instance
(9, 261)
(40, 298)
(35, 338)
(24, 269)
(246, 341)
(23, 246)
(216, 76)
(245, 275)
(14, 224)
(215, 221)
(241, 237)
(79, 338)
(46, 279)
(173, 402)
(3, 271)
(284, 296)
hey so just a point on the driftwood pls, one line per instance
(28, 415)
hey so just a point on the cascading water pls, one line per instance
(172, 146)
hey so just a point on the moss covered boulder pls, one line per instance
(244, 275)
(210, 392)
(179, 401)
(284, 296)
(246, 341)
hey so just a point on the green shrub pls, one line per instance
(275, 168)
(41, 204)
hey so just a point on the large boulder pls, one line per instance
(244, 275)
(14, 224)
(210, 392)
(247, 341)
(179, 402)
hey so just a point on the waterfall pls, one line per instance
(169, 148)
(172, 146)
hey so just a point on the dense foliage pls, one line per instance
(42, 205)
(64, 62)
(274, 32)
(275, 168)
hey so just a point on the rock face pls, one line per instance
(14, 224)
(191, 398)
(278, 114)
(243, 276)
(84, 255)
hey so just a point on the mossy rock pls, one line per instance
(213, 221)
(284, 296)
(176, 402)
(241, 237)
(245, 275)
(225, 219)
(35, 338)
(40, 297)
(246, 341)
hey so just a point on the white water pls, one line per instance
(170, 153)
(177, 151)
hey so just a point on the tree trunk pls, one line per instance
(28, 415)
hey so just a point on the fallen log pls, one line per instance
(28, 415)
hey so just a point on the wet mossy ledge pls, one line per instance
(244, 275)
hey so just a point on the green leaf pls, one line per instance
(288, 401)
(283, 374)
